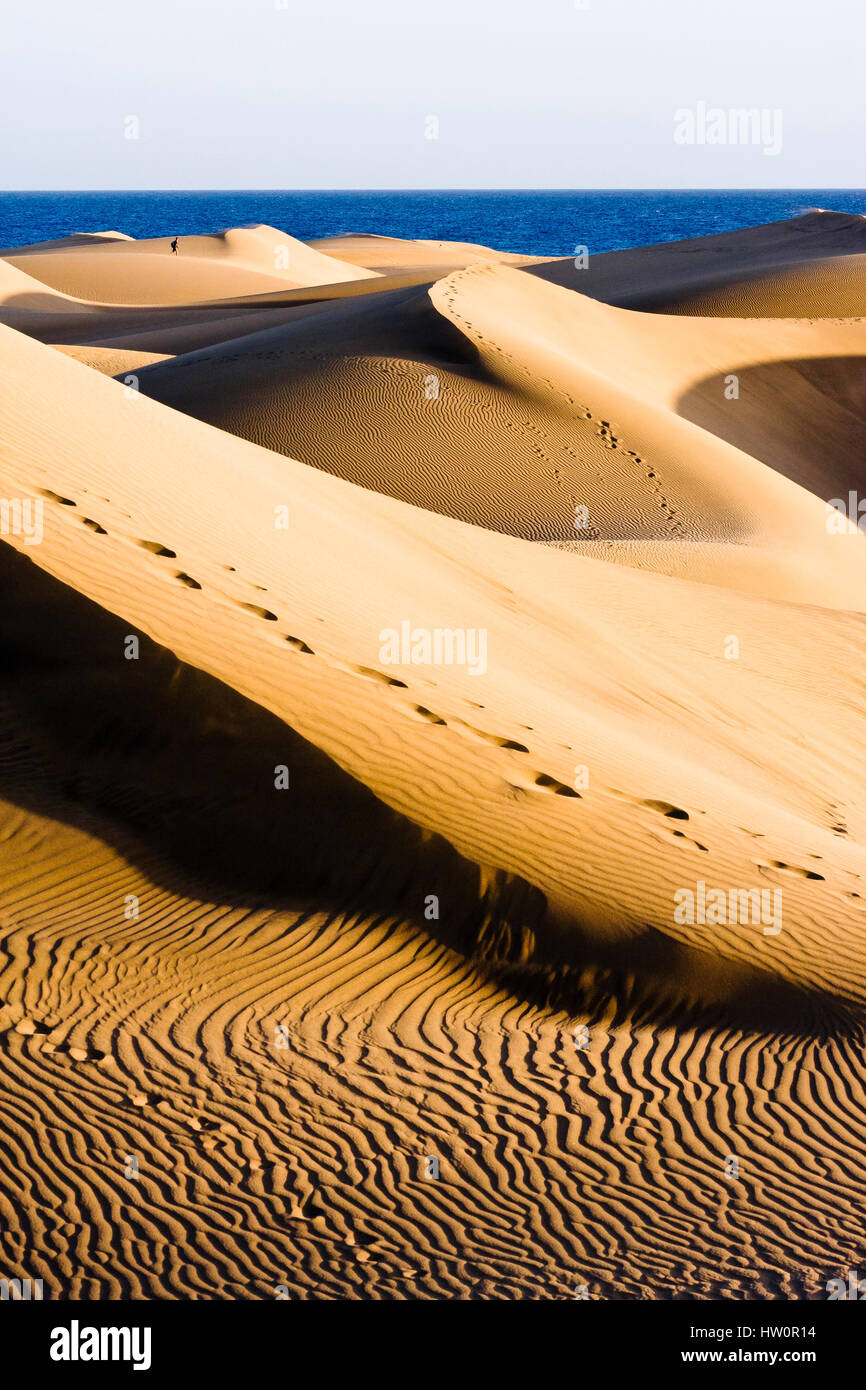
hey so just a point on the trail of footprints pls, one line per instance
(604, 430)
(28, 1027)
(532, 780)
(174, 1107)
(537, 780)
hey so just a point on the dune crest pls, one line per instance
(808, 266)
(224, 265)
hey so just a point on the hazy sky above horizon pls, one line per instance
(334, 94)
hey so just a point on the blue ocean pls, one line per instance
(531, 221)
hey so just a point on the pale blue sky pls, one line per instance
(334, 94)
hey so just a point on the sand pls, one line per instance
(452, 941)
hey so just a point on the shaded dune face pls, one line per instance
(179, 761)
(332, 974)
(807, 266)
(800, 289)
(812, 412)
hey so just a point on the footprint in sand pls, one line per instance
(425, 715)
(56, 497)
(666, 809)
(81, 1054)
(27, 1027)
(681, 836)
(369, 673)
(139, 1099)
(497, 740)
(156, 548)
(789, 869)
(542, 782)
(264, 613)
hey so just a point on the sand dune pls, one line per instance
(392, 255)
(520, 594)
(111, 361)
(23, 291)
(181, 321)
(241, 261)
(579, 404)
(808, 266)
(670, 696)
(64, 243)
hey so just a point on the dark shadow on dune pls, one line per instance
(810, 411)
(176, 771)
(96, 322)
(665, 279)
(274, 387)
(26, 313)
(172, 766)
(76, 323)
(652, 980)
(685, 276)
(401, 323)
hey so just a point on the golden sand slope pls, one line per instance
(511, 403)
(179, 322)
(393, 255)
(241, 261)
(64, 243)
(22, 292)
(112, 361)
(610, 751)
(239, 597)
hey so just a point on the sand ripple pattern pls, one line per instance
(284, 1080)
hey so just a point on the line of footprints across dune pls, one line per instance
(603, 429)
(519, 782)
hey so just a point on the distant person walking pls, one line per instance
(174, 247)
